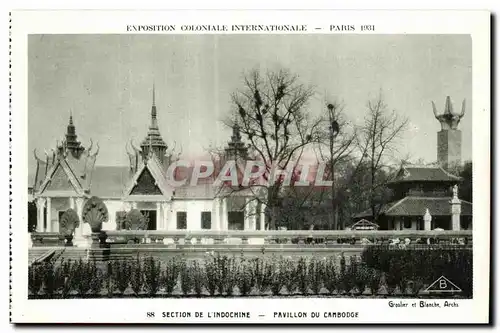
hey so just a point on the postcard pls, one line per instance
(250, 167)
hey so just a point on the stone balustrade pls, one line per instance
(290, 238)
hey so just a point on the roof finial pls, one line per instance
(153, 93)
(70, 116)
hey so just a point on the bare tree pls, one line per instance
(271, 113)
(336, 146)
(378, 142)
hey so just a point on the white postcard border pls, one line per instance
(475, 23)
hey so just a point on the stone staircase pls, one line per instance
(40, 254)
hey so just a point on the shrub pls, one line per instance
(96, 281)
(394, 276)
(136, 276)
(187, 278)
(414, 268)
(170, 275)
(330, 278)
(244, 278)
(346, 276)
(51, 278)
(109, 283)
(262, 275)
(210, 276)
(289, 276)
(82, 277)
(121, 275)
(277, 276)
(152, 276)
(220, 272)
(373, 280)
(361, 276)
(35, 278)
(198, 280)
(67, 278)
(315, 275)
(302, 277)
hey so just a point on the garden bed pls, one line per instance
(379, 273)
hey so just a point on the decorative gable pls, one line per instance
(149, 180)
(60, 181)
(146, 184)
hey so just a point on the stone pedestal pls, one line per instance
(79, 240)
(99, 249)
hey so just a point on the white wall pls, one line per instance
(113, 207)
(193, 208)
(57, 205)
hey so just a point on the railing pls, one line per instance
(47, 239)
(291, 238)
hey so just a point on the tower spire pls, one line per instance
(154, 122)
(71, 142)
(154, 94)
(153, 142)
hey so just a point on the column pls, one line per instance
(40, 205)
(456, 210)
(216, 218)
(427, 220)
(71, 202)
(49, 215)
(79, 240)
(164, 216)
(252, 223)
(262, 216)
(225, 223)
(159, 216)
(248, 212)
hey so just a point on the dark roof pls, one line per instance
(364, 224)
(416, 206)
(424, 174)
(200, 191)
(109, 181)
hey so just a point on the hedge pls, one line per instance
(377, 273)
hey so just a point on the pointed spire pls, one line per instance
(154, 122)
(154, 94)
(153, 142)
(71, 117)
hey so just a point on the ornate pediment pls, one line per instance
(146, 184)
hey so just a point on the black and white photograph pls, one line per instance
(271, 165)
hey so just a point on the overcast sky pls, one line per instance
(106, 80)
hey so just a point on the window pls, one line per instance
(236, 220)
(181, 220)
(464, 223)
(407, 223)
(206, 220)
(150, 219)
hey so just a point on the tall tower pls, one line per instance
(449, 139)
(236, 149)
(71, 144)
(153, 143)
